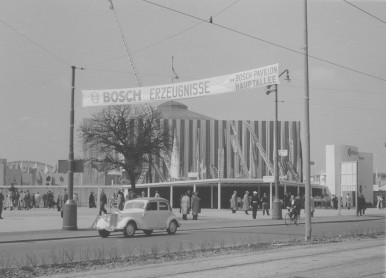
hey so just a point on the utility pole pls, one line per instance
(70, 208)
(307, 183)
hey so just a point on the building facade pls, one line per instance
(349, 171)
(207, 148)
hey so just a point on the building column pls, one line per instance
(171, 196)
(285, 188)
(270, 195)
(298, 193)
(219, 196)
(148, 191)
(194, 188)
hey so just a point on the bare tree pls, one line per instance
(125, 137)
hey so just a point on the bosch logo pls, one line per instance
(95, 97)
(352, 152)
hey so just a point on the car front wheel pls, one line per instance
(129, 229)
(172, 229)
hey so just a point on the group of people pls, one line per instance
(254, 202)
(16, 199)
(250, 202)
(190, 203)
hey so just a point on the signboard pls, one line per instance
(268, 179)
(63, 166)
(283, 152)
(239, 81)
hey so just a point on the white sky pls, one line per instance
(42, 39)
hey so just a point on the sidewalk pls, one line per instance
(45, 224)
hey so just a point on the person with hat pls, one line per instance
(254, 204)
(246, 202)
(265, 204)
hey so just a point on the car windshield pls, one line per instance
(134, 204)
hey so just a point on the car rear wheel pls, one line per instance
(129, 229)
(148, 232)
(104, 233)
(172, 229)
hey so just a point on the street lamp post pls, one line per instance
(70, 208)
(276, 204)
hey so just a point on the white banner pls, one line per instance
(198, 88)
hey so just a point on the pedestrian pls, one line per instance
(348, 201)
(103, 202)
(246, 204)
(299, 203)
(254, 204)
(9, 202)
(265, 204)
(359, 206)
(1, 202)
(59, 201)
(312, 204)
(21, 200)
(363, 204)
(76, 199)
(233, 202)
(27, 200)
(91, 200)
(37, 200)
(195, 205)
(44, 200)
(121, 199)
(380, 201)
(143, 194)
(185, 206)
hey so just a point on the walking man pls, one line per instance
(1, 202)
(195, 204)
(265, 201)
(348, 201)
(234, 202)
(103, 202)
(246, 202)
(254, 204)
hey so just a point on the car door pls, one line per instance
(164, 213)
(150, 217)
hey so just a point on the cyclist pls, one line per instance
(294, 207)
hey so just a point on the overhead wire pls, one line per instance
(266, 41)
(35, 43)
(165, 39)
(377, 18)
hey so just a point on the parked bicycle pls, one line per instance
(292, 216)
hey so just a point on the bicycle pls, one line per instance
(288, 219)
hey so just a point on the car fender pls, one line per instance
(102, 224)
(170, 219)
(123, 222)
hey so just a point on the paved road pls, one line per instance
(218, 228)
(45, 224)
(365, 258)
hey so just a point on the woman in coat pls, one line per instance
(121, 199)
(234, 202)
(195, 204)
(246, 203)
(185, 206)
